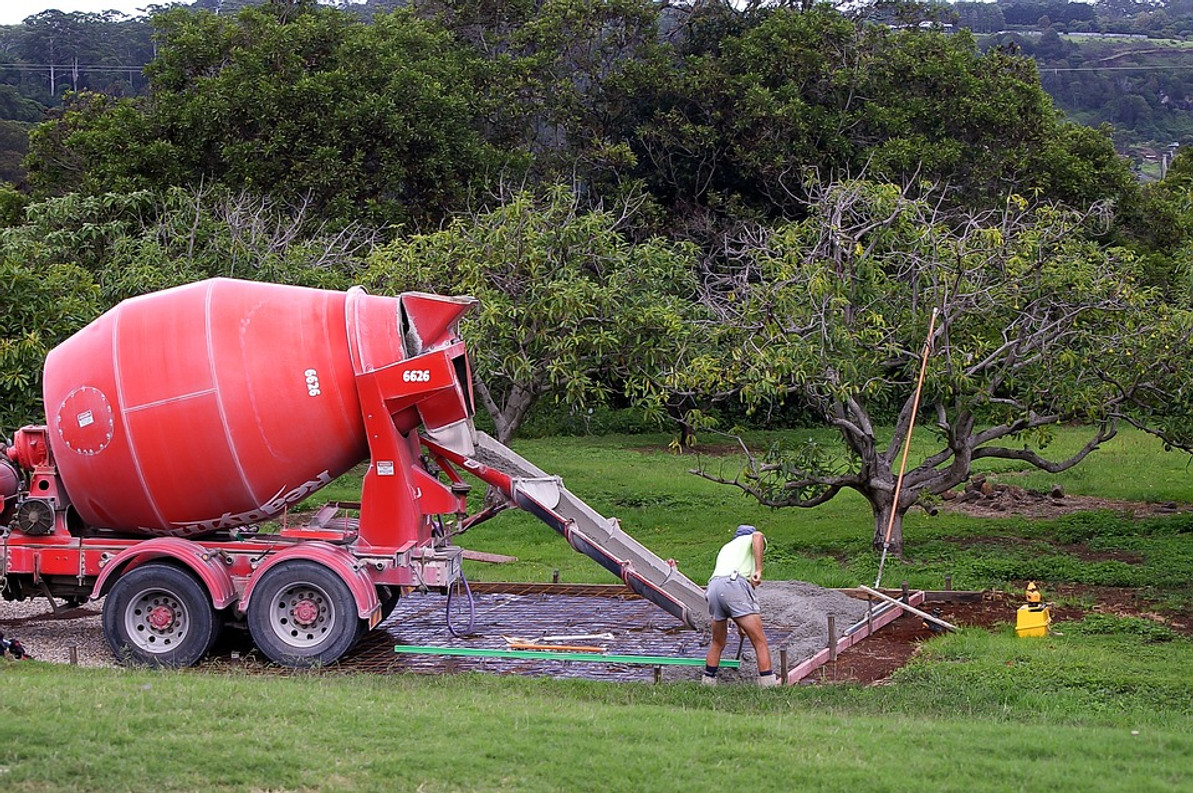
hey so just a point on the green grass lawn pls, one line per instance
(977, 712)
(684, 517)
(1105, 704)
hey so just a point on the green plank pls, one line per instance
(653, 660)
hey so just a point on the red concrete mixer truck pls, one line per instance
(181, 421)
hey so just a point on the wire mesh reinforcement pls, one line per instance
(639, 628)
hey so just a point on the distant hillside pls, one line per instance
(1127, 63)
(1142, 87)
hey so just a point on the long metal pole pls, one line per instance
(915, 406)
(912, 609)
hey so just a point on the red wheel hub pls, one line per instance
(160, 618)
(305, 612)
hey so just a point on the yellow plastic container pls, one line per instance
(1033, 620)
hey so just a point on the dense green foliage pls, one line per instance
(576, 68)
(717, 120)
(44, 308)
(748, 114)
(1159, 227)
(373, 122)
(53, 53)
(568, 308)
(677, 238)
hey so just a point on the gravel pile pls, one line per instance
(804, 608)
(47, 636)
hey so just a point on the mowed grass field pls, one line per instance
(686, 518)
(1101, 705)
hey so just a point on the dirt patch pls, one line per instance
(873, 660)
(983, 498)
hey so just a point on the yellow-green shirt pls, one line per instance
(737, 555)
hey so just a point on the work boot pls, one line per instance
(768, 680)
(707, 680)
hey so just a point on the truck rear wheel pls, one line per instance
(159, 615)
(302, 614)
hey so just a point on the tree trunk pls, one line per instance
(882, 519)
(507, 416)
(513, 412)
(677, 410)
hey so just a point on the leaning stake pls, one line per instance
(915, 406)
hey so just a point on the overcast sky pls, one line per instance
(13, 11)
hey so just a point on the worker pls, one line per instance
(731, 596)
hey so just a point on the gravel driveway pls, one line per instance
(47, 636)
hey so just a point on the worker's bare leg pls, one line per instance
(720, 636)
(751, 626)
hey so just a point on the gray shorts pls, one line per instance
(731, 597)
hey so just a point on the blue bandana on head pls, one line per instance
(743, 530)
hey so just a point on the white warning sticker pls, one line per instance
(385, 468)
(86, 419)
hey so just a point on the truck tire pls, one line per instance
(159, 615)
(302, 614)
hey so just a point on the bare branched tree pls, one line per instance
(1038, 326)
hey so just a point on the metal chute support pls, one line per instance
(587, 531)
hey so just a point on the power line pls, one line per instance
(1044, 68)
(83, 67)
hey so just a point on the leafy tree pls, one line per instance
(42, 307)
(12, 206)
(1122, 9)
(1037, 326)
(62, 41)
(980, 17)
(14, 142)
(15, 107)
(734, 130)
(363, 121)
(568, 308)
(717, 112)
(99, 145)
(1159, 227)
(565, 92)
(76, 229)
